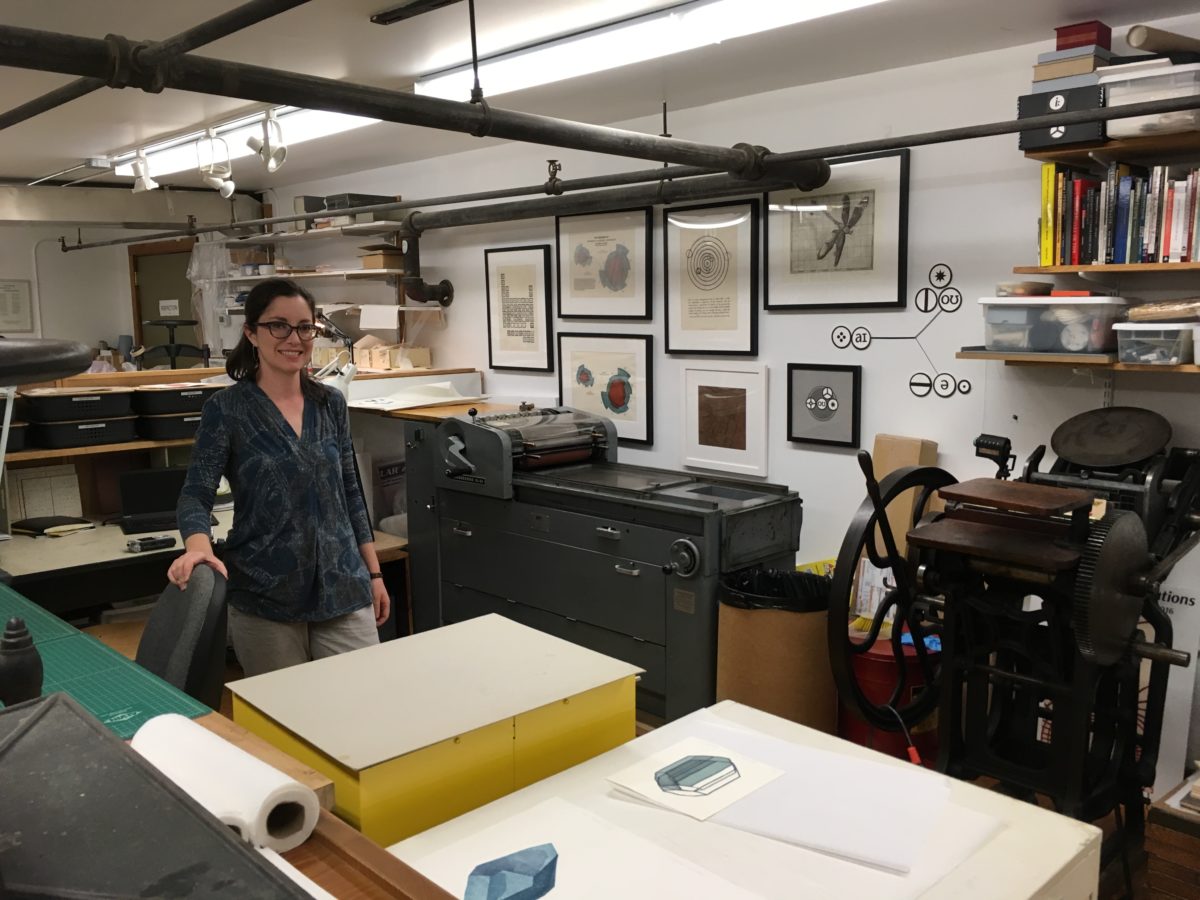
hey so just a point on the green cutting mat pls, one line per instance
(44, 626)
(117, 691)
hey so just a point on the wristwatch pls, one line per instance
(375, 574)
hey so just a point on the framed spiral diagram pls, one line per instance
(711, 258)
(610, 375)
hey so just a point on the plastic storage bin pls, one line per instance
(74, 404)
(61, 435)
(168, 428)
(1152, 83)
(1051, 324)
(1155, 343)
(167, 399)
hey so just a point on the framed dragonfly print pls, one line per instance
(844, 244)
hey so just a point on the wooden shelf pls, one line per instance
(34, 453)
(1100, 362)
(347, 274)
(312, 234)
(1154, 148)
(1122, 268)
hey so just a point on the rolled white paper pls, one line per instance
(267, 808)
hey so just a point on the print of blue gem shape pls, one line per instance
(697, 776)
(583, 256)
(615, 273)
(524, 875)
(617, 392)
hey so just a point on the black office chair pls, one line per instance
(171, 348)
(184, 641)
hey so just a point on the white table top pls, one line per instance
(24, 555)
(1035, 852)
(372, 705)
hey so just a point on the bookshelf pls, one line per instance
(1153, 149)
(1113, 268)
(1096, 362)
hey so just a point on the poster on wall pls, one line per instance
(518, 308)
(725, 417)
(16, 307)
(604, 265)
(711, 259)
(822, 404)
(844, 245)
(610, 375)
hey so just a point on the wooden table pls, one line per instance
(1173, 847)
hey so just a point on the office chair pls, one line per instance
(184, 641)
(171, 348)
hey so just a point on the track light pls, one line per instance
(270, 147)
(141, 180)
(216, 171)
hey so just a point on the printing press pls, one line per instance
(530, 515)
(1045, 603)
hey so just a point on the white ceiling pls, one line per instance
(335, 39)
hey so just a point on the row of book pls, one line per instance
(1129, 215)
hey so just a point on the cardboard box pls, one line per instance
(892, 452)
(403, 357)
(777, 661)
(381, 259)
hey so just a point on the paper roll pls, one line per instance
(1155, 40)
(266, 807)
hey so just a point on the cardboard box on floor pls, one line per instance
(892, 452)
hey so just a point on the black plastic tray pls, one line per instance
(17, 433)
(162, 401)
(59, 435)
(168, 428)
(66, 406)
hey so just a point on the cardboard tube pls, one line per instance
(1155, 40)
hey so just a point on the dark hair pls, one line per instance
(242, 364)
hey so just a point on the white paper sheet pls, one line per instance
(725, 778)
(378, 315)
(596, 859)
(438, 393)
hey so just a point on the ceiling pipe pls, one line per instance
(122, 65)
(197, 36)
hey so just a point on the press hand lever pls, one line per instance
(1159, 653)
(459, 464)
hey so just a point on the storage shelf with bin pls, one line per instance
(345, 274)
(1099, 362)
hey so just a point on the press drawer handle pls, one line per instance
(462, 532)
(607, 531)
(632, 571)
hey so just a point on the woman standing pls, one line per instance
(304, 580)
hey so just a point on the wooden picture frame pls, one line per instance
(710, 254)
(610, 375)
(518, 308)
(823, 404)
(725, 417)
(844, 245)
(604, 264)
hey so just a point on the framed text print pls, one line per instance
(518, 306)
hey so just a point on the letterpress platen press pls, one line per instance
(1045, 609)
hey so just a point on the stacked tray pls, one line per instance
(170, 411)
(78, 417)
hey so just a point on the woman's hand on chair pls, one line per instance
(181, 569)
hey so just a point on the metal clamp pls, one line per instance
(607, 531)
(632, 571)
(463, 532)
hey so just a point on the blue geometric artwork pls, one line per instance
(618, 392)
(524, 875)
(615, 273)
(697, 776)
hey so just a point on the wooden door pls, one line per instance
(161, 290)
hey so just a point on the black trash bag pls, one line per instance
(777, 589)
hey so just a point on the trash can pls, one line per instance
(772, 646)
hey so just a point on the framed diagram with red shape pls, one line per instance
(604, 265)
(610, 375)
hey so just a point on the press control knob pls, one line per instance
(472, 412)
(685, 558)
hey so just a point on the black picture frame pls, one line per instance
(810, 388)
(588, 235)
(535, 260)
(743, 339)
(578, 387)
(800, 238)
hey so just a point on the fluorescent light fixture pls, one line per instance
(179, 154)
(787, 207)
(651, 36)
(706, 224)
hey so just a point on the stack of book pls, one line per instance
(1079, 50)
(1127, 215)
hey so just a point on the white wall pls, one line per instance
(82, 295)
(973, 205)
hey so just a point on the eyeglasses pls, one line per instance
(281, 331)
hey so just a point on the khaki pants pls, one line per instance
(263, 645)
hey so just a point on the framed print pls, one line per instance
(16, 307)
(604, 264)
(711, 258)
(518, 308)
(822, 404)
(610, 375)
(845, 244)
(725, 417)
